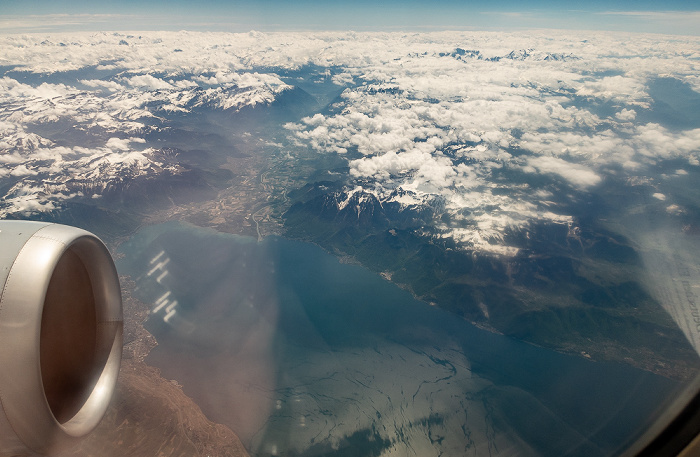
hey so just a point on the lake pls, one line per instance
(301, 354)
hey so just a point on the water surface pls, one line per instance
(303, 355)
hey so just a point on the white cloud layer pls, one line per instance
(484, 121)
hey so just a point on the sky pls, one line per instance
(680, 17)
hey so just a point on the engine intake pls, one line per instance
(60, 335)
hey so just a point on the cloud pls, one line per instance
(617, 88)
(12, 90)
(626, 114)
(656, 143)
(675, 210)
(22, 170)
(122, 144)
(343, 79)
(148, 82)
(578, 175)
(469, 119)
(436, 122)
(112, 86)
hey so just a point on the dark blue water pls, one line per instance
(303, 355)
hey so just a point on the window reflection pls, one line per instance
(300, 354)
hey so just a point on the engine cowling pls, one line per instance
(60, 335)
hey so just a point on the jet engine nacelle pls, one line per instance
(60, 335)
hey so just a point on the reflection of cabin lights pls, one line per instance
(171, 306)
(159, 266)
(169, 315)
(159, 307)
(163, 297)
(162, 275)
(156, 258)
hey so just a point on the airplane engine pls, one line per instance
(60, 335)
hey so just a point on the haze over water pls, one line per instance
(303, 355)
